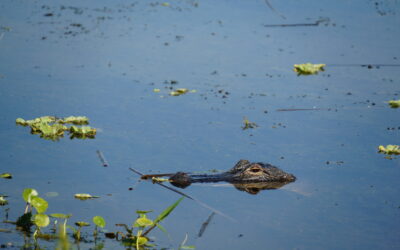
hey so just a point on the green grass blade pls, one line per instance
(167, 211)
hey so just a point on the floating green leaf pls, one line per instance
(40, 204)
(82, 224)
(77, 120)
(143, 222)
(394, 103)
(85, 196)
(179, 91)
(187, 247)
(60, 216)
(389, 149)
(21, 122)
(83, 132)
(308, 68)
(167, 211)
(141, 240)
(6, 176)
(143, 211)
(99, 221)
(28, 193)
(41, 220)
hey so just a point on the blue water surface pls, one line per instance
(103, 59)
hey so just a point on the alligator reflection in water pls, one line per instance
(245, 176)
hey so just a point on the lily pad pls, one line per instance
(394, 103)
(143, 222)
(41, 220)
(308, 68)
(28, 194)
(40, 204)
(389, 149)
(99, 221)
(6, 176)
(85, 196)
(60, 216)
(141, 240)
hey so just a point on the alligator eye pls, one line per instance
(255, 169)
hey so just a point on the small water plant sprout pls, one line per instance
(248, 124)
(136, 235)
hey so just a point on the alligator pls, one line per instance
(245, 176)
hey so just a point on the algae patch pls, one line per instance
(53, 128)
(308, 68)
(394, 103)
(389, 149)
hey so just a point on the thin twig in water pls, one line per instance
(316, 23)
(189, 197)
(205, 225)
(102, 159)
(274, 10)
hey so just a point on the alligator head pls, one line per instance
(245, 176)
(245, 172)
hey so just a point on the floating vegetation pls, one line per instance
(6, 176)
(53, 128)
(136, 236)
(389, 149)
(99, 222)
(85, 196)
(179, 92)
(82, 132)
(248, 124)
(34, 216)
(3, 200)
(308, 68)
(77, 120)
(394, 103)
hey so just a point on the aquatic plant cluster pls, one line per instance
(35, 216)
(53, 128)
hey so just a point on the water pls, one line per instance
(103, 60)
